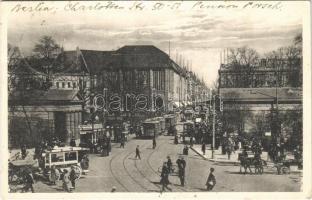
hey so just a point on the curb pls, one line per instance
(199, 153)
(225, 162)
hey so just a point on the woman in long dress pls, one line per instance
(55, 175)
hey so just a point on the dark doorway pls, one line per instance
(60, 125)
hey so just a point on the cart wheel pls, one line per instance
(78, 171)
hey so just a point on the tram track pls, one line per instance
(113, 174)
(144, 176)
(131, 177)
(156, 172)
(126, 170)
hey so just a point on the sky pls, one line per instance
(197, 35)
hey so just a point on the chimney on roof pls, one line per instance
(77, 54)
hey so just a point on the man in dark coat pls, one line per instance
(185, 150)
(164, 181)
(23, 151)
(191, 141)
(176, 140)
(137, 152)
(204, 148)
(211, 181)
(181, 166)
(154, 142)
(73, 177)
(169, 164)
(122, 142)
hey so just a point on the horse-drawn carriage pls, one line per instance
(64, 158)
(284, 166)
(248, 160)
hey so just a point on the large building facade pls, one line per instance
(264, 99)
(129, 84)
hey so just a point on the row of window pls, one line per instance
(70, 84)
(63, 84)
(287, 79)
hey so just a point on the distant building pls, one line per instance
(265, 91)
(267, 73)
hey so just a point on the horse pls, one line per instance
(259, 163)
(245, 162)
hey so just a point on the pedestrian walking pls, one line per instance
(204, 148)
(211, 181)
(29, 181)
(122, 143)
(54, 175)
(185, 150)
(137, 152)
(176, 141)
(181, 166)
(23, 151)
(73, 177)
(66, 180)
(229, 151)
(109, 146)
(169, 164)
(164, 181)
(191, 142)
(154, 142)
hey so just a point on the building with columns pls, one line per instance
(39, 114)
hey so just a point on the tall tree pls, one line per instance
(47, 57)
(243, 56)
(242, 60)
(47, 48)
(289, 57)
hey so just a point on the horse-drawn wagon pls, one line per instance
(63, 158)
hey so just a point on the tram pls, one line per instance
(151, 128)
(162, 124)
(170, 121)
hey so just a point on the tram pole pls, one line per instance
(213, 127)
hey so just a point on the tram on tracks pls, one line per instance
(162, 123)
(170, 122)
(151, 128)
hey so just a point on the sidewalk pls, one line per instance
(219, 157)
(223, 159)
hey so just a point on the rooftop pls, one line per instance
(129, 57)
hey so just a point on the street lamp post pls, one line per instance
(213, 126)
(105, 109)
(276, 119)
